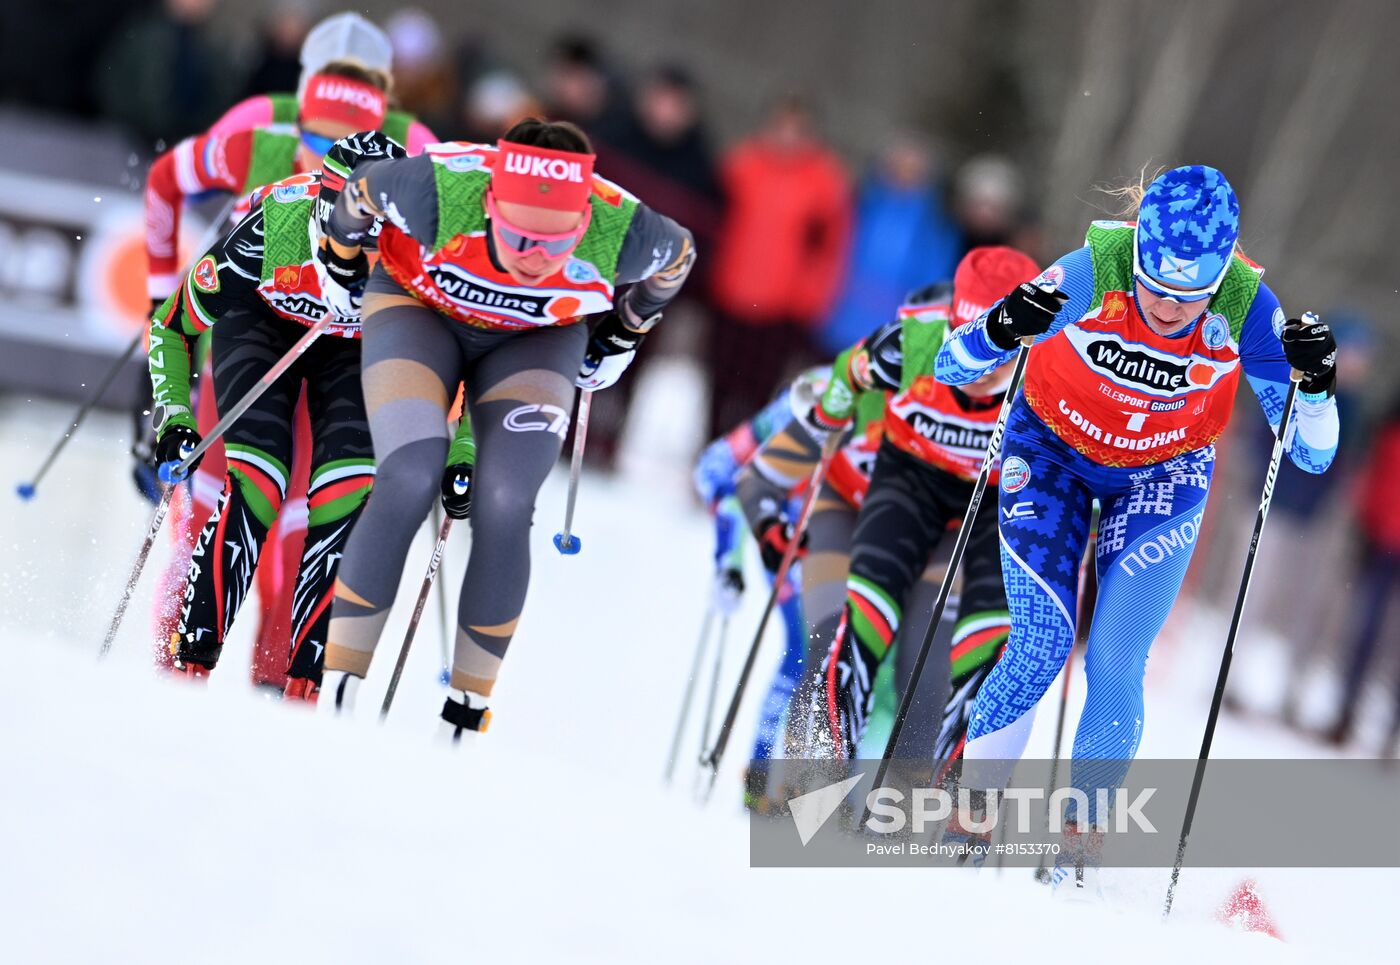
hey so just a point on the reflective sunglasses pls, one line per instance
(1185, 296)
(523, 242)
(316, 143)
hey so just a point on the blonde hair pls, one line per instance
(1129, 194)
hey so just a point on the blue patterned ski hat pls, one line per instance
(1187, 225)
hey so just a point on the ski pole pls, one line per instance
(564, 540)
(170, 477)
(726, 727)
(444, 675)
(714, 684)
(152, 531)
(423, 591)
(954, 562)
(689, 693)
(1275, 461)
(27, 490)
(1088, 596)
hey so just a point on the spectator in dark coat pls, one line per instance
(167, 74)
(661, 151)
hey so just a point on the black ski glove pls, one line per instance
(774, 538)
(457, 490)
(1025, 313)
(174, 444)
(1312, 350)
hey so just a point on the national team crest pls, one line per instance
(1216, 332)
(206, 275)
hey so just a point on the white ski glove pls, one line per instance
(610, 350)
(603, 372)
(342, 279)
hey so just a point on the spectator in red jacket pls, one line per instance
(1378, 575)
(778, 262)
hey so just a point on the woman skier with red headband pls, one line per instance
(490, 257)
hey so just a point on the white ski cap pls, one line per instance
(345, 36)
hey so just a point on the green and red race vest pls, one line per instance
(849, 473)
(1119, 393)
(288, 282)
(925, 417)
(455, 276)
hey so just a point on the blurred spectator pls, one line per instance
(777, 262)
(38, 57)
(1378, 576)
(424, 81)
(1308, 519)
(987, 203)
(277, 57)
(660, 150)
(494, 102)
(904, 238)
(581, 88)
(167, 73)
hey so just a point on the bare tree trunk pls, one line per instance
(1094, 109)
(1173, 87)
(1300, 148)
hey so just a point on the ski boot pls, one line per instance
(847, 691)
(761, 795)
(468, 716)
(300, 688)
(1075, 876)
(972, 845)
(337, 693)
(191, 658)
(303, 674)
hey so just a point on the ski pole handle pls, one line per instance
(1046, 287)
(1309, 319)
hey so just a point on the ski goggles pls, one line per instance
(523, 242)
(1185, 296)
(317, 143)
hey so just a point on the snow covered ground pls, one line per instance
(148, 820)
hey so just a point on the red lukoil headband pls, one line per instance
(542, 177)
(330, 98)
